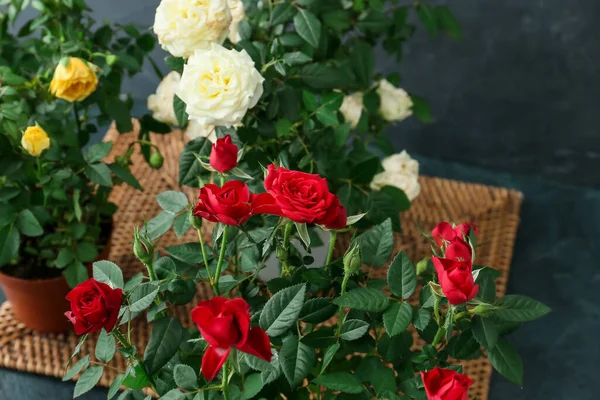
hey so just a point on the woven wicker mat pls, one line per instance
(495, 210)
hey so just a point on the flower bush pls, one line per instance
(297, 82)
(318, 330)
(60, 82)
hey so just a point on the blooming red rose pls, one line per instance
(233, 203)
(225, 324)
(455, 272)
(305, 198)
(223, 156)
(446, 384)
(445, 232)
(94, 305)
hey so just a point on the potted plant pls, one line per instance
(60, 81)
(328, 332)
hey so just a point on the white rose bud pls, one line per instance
(182, 26)
(236, 7)
(195, 130)
(219, 85)
(161, 103)
(351, 108)
(401, 171)
(396, 104)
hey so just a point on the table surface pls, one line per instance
(557, 243)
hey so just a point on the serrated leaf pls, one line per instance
(296, 58)
(160, 224)
(108, 272)
(105, 347)
(172, 201)
(181, 114)
(485, 332)
(88, 380)
(282, 310)
(507, 361)
(282, 13)
(76, 368)
(517, 308)
(100, 174)
(342, 381)
(402, 277)
(376, 245)
(185, 377)
(317, 310)
(115, 386)
(329, 354)
(308, 27)
(190, 253)
(182, 224)
(142, 296)
(364, 299)
(189, 168)
(296, 360)
(165, 339)
(421, 319)
(354, 329)
(252, 386)
(125, 175)
(28, 224)
(97, 152)
(303, 233)
(397, 318)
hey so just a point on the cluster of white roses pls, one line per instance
(401, 171)
(218, 85)
(395, 104)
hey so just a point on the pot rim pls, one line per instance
(29, 282)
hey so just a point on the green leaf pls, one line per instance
(282, 13)
(185, 377)
(421, 319)
(118, 109)
(105, 347)
(165, 339)
(323, 76)
(376, 245)
(362, 60)
(189, 167)
(180, 113)
(329, 354)
(115, 386)
(182, 224)
(402, 277)
(124, 174)
(484, 277)
(517, 308)
(9, 243)
(97, 152)
(342, 381)
(296, 360)
(308, 27)
(99, 173)
(75, 273)
(282, 310)
(76, 368)
(28, 225)
(303, 233)
(296, 58)
(317, 310)
(137, 378)
(354, 329)
(338, 20)
(190, 253)
(172, 201)
(142, 296)
(381, 378)
(175, 63)
(283, 127)
(252, 386)
(327, 116)
(448, 22)
(86, 252)
(485, 332)
(421, 109)
(88, 380)
(364, 299)
(507, 361)
(310, 100)
(174, 394)
(426, 14)
(160, 224)
(108, 272)
(397, 318)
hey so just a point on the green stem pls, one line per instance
(460, 315)
(133, 351)
(225, 384)
(332, 237)
(155, 68)
(77, 121)
(220, 262)
(204, 257)
(438, 336)
(436, 309)
(287, 233)
(341, 315)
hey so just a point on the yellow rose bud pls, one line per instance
(73, 80)
(35, 140)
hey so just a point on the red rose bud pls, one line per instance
(223, 156)
(455, 273)
(94, 305)
(225, 324)
(305, 198)
(445, 232)
(232, 204)
(446, 384)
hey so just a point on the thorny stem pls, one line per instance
(130, 349)
(204, 257)
(341, 309)
(332, 237)
(220, 262)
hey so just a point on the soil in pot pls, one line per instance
(38, 294)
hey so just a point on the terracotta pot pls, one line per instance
(40, 304)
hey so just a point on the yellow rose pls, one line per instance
(35, 140)
(73, 80)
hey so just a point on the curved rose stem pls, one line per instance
(287, 233)
(220, 262)
(341, 309)
(132, 350)
(438, 336)
(332, 237)
(204, 257)
(225, 383)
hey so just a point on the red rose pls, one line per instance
(446, 384)
(225, 324)
(94, 305)
(224, 154)
(305, 198)
(232, 204)
(444, 232)
(455, 272)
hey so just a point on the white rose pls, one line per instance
(351, 108)
(182, 26)
(401, 171)
(219, 85)
(195, 130)
(396, 104)
(161, 103)
(236, 7)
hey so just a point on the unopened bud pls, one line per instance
(196, 222)
(423, 266)
(111, 59)
(143, 248)
(485, 310)
(352, 260)
(156, 160)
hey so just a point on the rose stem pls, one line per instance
(220, 262)
(225, 380)
(205, 258)
(133, 351)
(285, 268)
(341, 309)
(332, 237)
